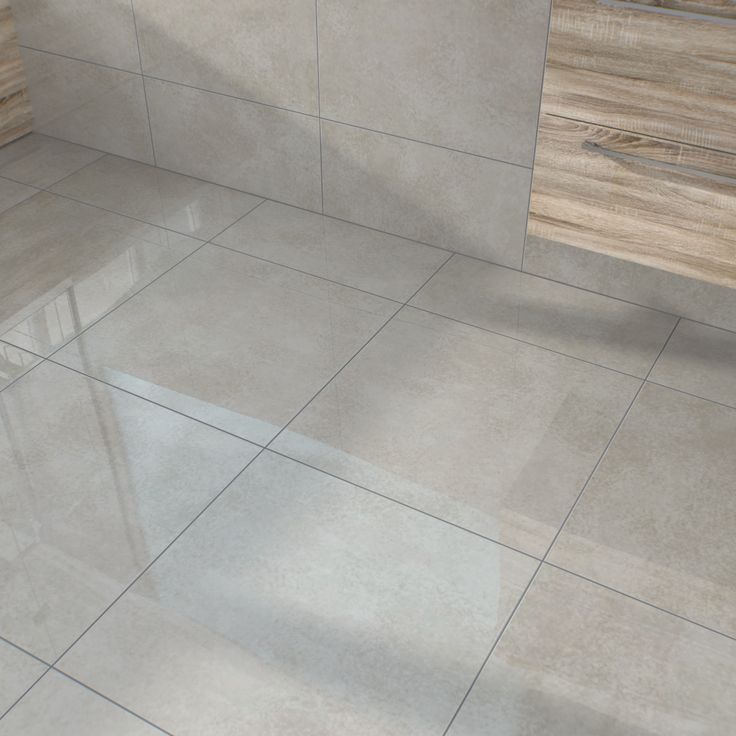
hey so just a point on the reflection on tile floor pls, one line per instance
(422, 462)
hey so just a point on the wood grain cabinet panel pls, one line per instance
(15, 105)
(664, 204)
(669, 75)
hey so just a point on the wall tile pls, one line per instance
(252, 147)
(102, 32)
(262, 50)
(465, 203)
(697, 300)
(88, 104)
(465, 74)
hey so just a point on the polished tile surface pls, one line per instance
(59, 706)
(18, 672)
(102, 32)
(66, 264)
(236, 342)
(657, 519)
(395, 67)
(95, 484)
(301, 604)
(261, 50)
(85, 103)
(11, 193)
(478, 429)
(579, 660)
(578, 323)
(464, 203)
(700, 360)
(14, 362)
(255, 148)
(336, 250)
(40, 161)
(173, 201)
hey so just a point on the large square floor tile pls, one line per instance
(12, 193)
(579, 323)
(59, 706)
(234, 341)
(299, 604)
(353, 255)
(478, 429)
(14, 362)
(65, 264)
(700, 360)
(95, 483)
(40, 161)
(174, 201)
(580, 660)
(18, 672)
(657, 520)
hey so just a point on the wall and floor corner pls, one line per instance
(416, 118)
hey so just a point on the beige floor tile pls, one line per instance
(12, 193)
(18, 672)
(14, 362)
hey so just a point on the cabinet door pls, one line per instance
(15, 106)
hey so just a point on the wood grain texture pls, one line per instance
(719, 8)
(657, 74)
(667, 205)
(15, 104)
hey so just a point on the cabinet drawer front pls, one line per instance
(669, 74)
(663, 204)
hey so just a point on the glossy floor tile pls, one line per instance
(657, 519)
(232, 340)
(40, 161)
(173, 201)
(95, 484)
(18, 672)
(14, 362)
(66, 264)
(301, 604)
(350, 254)
(579, 660)
(475, 428)
(58, 705)
(578, 323)
(11, 193)
(700, 360)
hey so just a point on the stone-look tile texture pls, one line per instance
(173, 201)
(18, 672)
(232, 340)
(269, 152)
(90, 30)
(65, 264)
(650, 287)
(478, 429)
(353, 255)
(585, 325)
(14, 362)
(261, 50)
(657, 519)
(301, 604)
(88, 104)
(578, 659)
(11, 193)
(40, 161)
(95, 484)
(464, 203)
(700, 360)
(57, 705)
(465, 75)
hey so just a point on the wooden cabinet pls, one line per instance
(636, 150)
(15, 105)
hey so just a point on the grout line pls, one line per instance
(143, 80)
(536, 133)
(687, 393)
(319, 106)
(493, 646)
(81, 61)
(25, 692)
(355, 355)
(24, 651)
(400, 503)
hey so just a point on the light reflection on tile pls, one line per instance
(95, 483)
(578, 659)
(301, 604)
(66, 264)
(14, 362)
